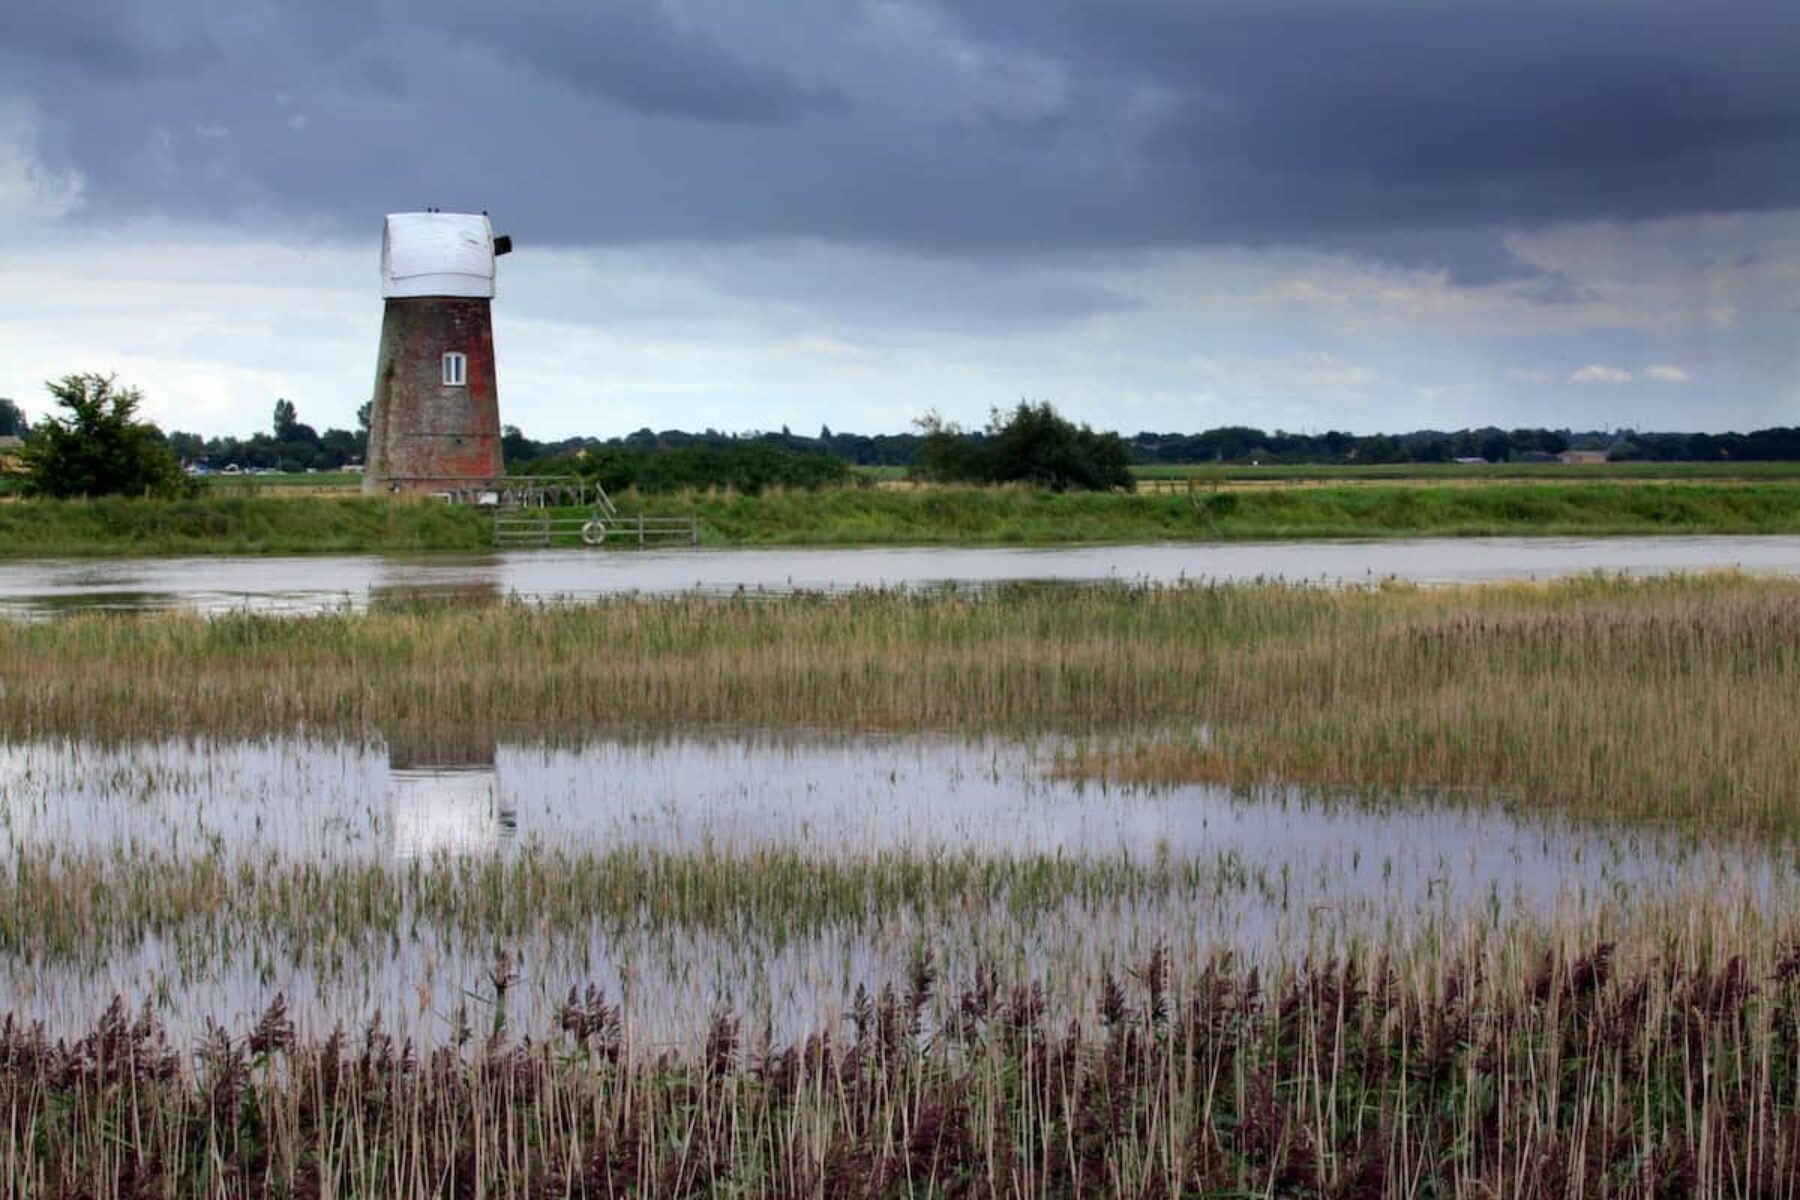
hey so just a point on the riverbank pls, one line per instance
(277, 524)
(226, 524)
(1017, 516)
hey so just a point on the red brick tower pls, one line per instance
(434, 425)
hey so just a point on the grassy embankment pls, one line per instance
(1026, 517)
(227, 524)
(1672, 700)
(222, 524)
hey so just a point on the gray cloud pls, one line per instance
(1407, 131)
(632, 53)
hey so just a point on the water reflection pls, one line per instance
(446, 798)
(417, 791)
(403, 589)
(1276, 868)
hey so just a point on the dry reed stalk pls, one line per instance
(1347, 1075)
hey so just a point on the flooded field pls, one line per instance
(770, 874)
(353, 583)
(1221, 889)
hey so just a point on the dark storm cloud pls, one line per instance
(114, 37)
(631, 52)
(1411, 129)
(1483, 111)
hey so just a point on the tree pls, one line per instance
(99, 447)
(339, 446)
(515, 447)
(188, 447)
(12, 419)
(1031, 444)
(286, 418)
(946, 454)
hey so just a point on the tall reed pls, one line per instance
(1345, 1076)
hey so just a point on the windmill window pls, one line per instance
(456, 369)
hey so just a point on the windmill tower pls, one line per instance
(434, 425)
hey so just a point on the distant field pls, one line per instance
(326, 483)
(294, 483)
(1150, 477)
(1449, 472)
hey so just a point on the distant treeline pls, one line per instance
(290, 445)
(642, 457)
(1031, 445)
(744, 466)
(861, 450)
(1242, 444)
(1233, 444)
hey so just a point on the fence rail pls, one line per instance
(1153, 487)
(513, 529)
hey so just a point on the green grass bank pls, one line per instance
(1009, 516)
(225, 524)
(275, 524)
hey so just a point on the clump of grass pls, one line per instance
(1668, 700)
(1344, 1075)
(60, 908)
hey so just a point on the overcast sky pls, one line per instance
(1156, 214)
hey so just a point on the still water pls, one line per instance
(36, 588)
(1246, 871)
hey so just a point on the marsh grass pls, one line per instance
(1669, 700)
(1072, 1025)
(1488, 1068)
(63, 909)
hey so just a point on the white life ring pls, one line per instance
(594, 532)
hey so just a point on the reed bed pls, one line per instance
(59, 909)
(554, 1019)
(1350, 1075)
(778, 930)
(1666, 700)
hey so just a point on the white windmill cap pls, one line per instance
(437, 254)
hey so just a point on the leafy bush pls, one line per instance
(1031, 445)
